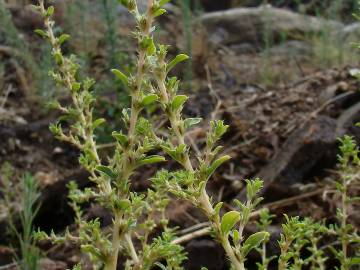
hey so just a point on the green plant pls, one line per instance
(21, 51)
(148, 85)
(134, 214)
(349, 163)
(299, 235)
(262, 225)
(26, 209)
(137, 217)
(329, 48)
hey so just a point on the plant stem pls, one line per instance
(115, 243)
(344, 241)
(205, 204)
(204, 200)
(263, 255)
(133, 254)
(174, 123)
(127, 166)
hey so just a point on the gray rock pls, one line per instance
(292, 47)
(302, 152)
(248, 25)
(351, 32)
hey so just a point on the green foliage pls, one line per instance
(137, 217)
(24, 193)
(134, 214)
(297, 236)
(349, 165)
(262, 225)
(10, 36)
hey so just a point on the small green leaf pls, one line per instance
(236, 236)
(178, 59)
(50, 11)
(163, 2)
(121, 138)
(58, 58)
(63, 38)
(354, 261)
(151, 160)
(149, 99)
(151, 48)
(41, 33)
(121, 76)
(217, 208)
(181, 149)
(228, 221)
(178, 101)
(215, 165)
(54, 104)
(190, 122)
(105, 170)
(254, 241)
(76, 86)
(92, 250)
(98, 122)
(159, 12)
(123, 204)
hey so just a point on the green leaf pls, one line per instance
(58, 58)
(105, 170)
(215, 165)
(254, 241)
(121, 76)
(163, 2)
(149, 99)
(50, 11)
(151, 48)
(121, 138)
(178, 59)
(159, 12)
(178, 101)
(123, 204)
(92, 250)
(76, 86)
(190, 122)
(228, 221)
(236, 236)
(98, 122)
(41, 33)
(63, 38)
(151, 160)
(354, 261)
(217, 208)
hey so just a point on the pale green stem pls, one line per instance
(263, 255)
(344, 242)
(131, 135)
(115, 243)
(204, 198)
(224, 240)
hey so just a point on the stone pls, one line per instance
(248, 25)
(306, 153)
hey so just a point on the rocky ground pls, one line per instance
(286, 103)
